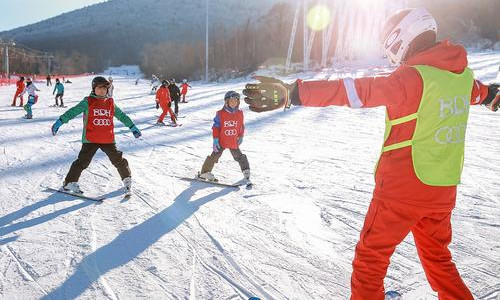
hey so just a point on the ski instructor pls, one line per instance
(427, 100)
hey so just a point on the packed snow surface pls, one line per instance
(291, 237)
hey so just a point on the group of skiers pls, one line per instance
(427, 99)
(99, 110)
(167, 93)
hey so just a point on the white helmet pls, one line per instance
(184, 80)
(402, 28)
(110, 78)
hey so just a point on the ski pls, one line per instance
(392, 295)
(233, 185)
(61, 190)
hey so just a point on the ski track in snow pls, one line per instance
(291, 237)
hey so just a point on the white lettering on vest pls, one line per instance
(450, 135)
(102, 112)
(230, 132)
(453, 106)
(102, 122)
(230, 123)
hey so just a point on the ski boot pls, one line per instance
(72, 187)
(127, 186)
(246, 178)
(208, 176)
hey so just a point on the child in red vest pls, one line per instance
(184, 90)
(163, 100)
(19, 90)
(227, 132)
(98, 133)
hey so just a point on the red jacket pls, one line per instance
(401, 93)
(20, 86)
(228, 127)
(184, 88)
(163, 96)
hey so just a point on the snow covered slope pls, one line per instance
(291, 237)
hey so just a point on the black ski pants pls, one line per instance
(85, 157)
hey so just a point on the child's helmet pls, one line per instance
(21, 78)
(402, 28)
(57, 79)
(172, 80)
(165, 82)
(184, 80)
(110, 79)
(99, 80)
(28, 79)
(232, 95)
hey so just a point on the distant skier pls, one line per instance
(163, 100)
(19, 91)
(175, 95)
(155, 82)
(59, 87)
(98, 133)
(49, 80)
(184, 87)
(427, 102)
(111, 88)
(31, 89)
(227, 132)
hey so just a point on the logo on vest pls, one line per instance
(450, 134)
(230, 132)
(230, 123)
(101, 122)
(99, 112)
(450, 107)
(453, 106)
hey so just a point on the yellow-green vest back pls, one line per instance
(441, 121)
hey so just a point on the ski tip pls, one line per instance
(392, 295)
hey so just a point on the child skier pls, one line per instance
(19, 91)
(32, 97)
(60, 92)
(163, 100)
(111, 88)
(427, 102)
(98, 133)
(227, 133)
(155, 82)
(184, 87)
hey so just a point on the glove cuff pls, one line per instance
(293, 95)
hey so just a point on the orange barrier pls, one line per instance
(37, 78)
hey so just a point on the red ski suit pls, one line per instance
(20, 88)
(163, 98)
(401, 202)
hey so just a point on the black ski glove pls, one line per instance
(157, 105)
(270, 94)
(492, 101)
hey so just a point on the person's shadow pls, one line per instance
(132, 242)
(5, 228)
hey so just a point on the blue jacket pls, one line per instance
(59, 87)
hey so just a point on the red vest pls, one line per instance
(231, 128)
(100, 127)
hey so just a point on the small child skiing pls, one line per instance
(60, 92)
(98, 133)
(19, 91)
(155, 82)
(227, 133)
(111, 88)
(163, 100)
(32, 97)
(184, 87)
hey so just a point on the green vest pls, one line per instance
(438, 141)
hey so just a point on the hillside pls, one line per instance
(114, 32)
